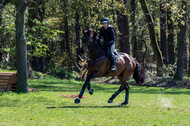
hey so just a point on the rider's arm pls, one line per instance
(112, 36)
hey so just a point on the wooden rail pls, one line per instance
(8, 81)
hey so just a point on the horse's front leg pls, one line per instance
(89, 89)
(86, 84)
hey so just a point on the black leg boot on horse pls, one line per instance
(89, 89)
(126, 96)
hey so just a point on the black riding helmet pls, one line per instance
(105, 20)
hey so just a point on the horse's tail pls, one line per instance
(138, 73)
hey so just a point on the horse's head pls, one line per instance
(88, 39)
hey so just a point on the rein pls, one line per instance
(94, 49)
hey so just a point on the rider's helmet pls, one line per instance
(105, 20)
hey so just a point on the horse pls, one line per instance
(99, 66)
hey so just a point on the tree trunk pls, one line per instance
(1, 12)
(153, 39)
(41, 11)
(181, 40)
(126, 41)
(66, 27)
(2, 5)
(22, 78)
(42, 64)
(134, 36)
(77, 32)
(189, 35)
(123, 25)
(120, 28)
(170, 24)
(62, 41)
(189, 47)
(163, 31)
(66, 36)
(113, 12)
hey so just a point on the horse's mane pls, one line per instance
(98, 50)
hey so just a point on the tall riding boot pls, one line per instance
(113, 63)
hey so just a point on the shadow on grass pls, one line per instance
(114, 106)
(107, 89)
(156, 90)
(62, 86)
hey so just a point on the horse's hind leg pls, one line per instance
(122, 87)
(126, 95)
(123, 78)
(116, 93)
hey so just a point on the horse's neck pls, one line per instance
(96, 53)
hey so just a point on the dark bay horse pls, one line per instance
(99, 66)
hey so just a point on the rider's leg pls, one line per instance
(111, 57)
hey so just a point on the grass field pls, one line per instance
(147, 106)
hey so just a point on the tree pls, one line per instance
(1, 11)
(152, 34)
(181, 40)
(77, 32)
(163, 30)
(189, 34)
(123, 26)
(134, 36)
(22, 78)
(189, 49)
(66, 39)
(170, 39)
(2, 5)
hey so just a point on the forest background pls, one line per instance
(155, 32)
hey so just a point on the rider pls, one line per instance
(107, 33)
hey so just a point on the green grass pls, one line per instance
(147, 106)
(6, 70)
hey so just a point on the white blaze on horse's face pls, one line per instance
(91, 34)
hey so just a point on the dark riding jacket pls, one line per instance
(108, 36)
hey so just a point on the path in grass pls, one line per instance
(147, 106)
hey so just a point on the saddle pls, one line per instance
(115, 55)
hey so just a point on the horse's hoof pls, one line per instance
(110, 101)
(90, 91)
(124, 103)
(77, 100)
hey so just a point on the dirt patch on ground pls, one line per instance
(72, 96)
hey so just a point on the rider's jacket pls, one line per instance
(107, 35)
